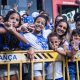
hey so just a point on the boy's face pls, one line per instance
(54, 42)
(76, 38)
(75, 42)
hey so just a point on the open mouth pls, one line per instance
(60, 31)
(38, 27)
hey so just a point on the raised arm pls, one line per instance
(2, 30)
(13, 30)
(19, 36)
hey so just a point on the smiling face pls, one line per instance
(14, 19)
(75, 39)
(61, 28)
(39, 24)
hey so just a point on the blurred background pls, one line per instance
(53, 7)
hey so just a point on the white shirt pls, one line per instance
(32, 39)
(57, 69)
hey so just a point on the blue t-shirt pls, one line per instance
(10, 42)
(42, 41)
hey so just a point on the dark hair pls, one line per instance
(10, 13)
(42, 16)
(25, 14)
(63, 16)
(57, 17)
(42, 11)
(74, 33)
(47, 15)
(78, 19)
(67, 30)
(52, 34)
(76, 16)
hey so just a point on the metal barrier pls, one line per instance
(20, 57)
(77, 64)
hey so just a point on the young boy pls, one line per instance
(74, 50)
(55, 44)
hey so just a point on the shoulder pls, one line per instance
(60, 48)
(28, 35)
(46, 33)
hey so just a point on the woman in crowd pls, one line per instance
(61, 29)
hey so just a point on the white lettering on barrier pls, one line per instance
(12, 57)
(8, 57)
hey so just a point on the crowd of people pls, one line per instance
(38, 33)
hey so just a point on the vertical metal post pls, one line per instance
(60, 9)
(43, 4)
(0, 7)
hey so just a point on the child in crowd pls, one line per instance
(12, 19)
(37, 40)
(55, 44)
(74, 48)
(61, 29)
